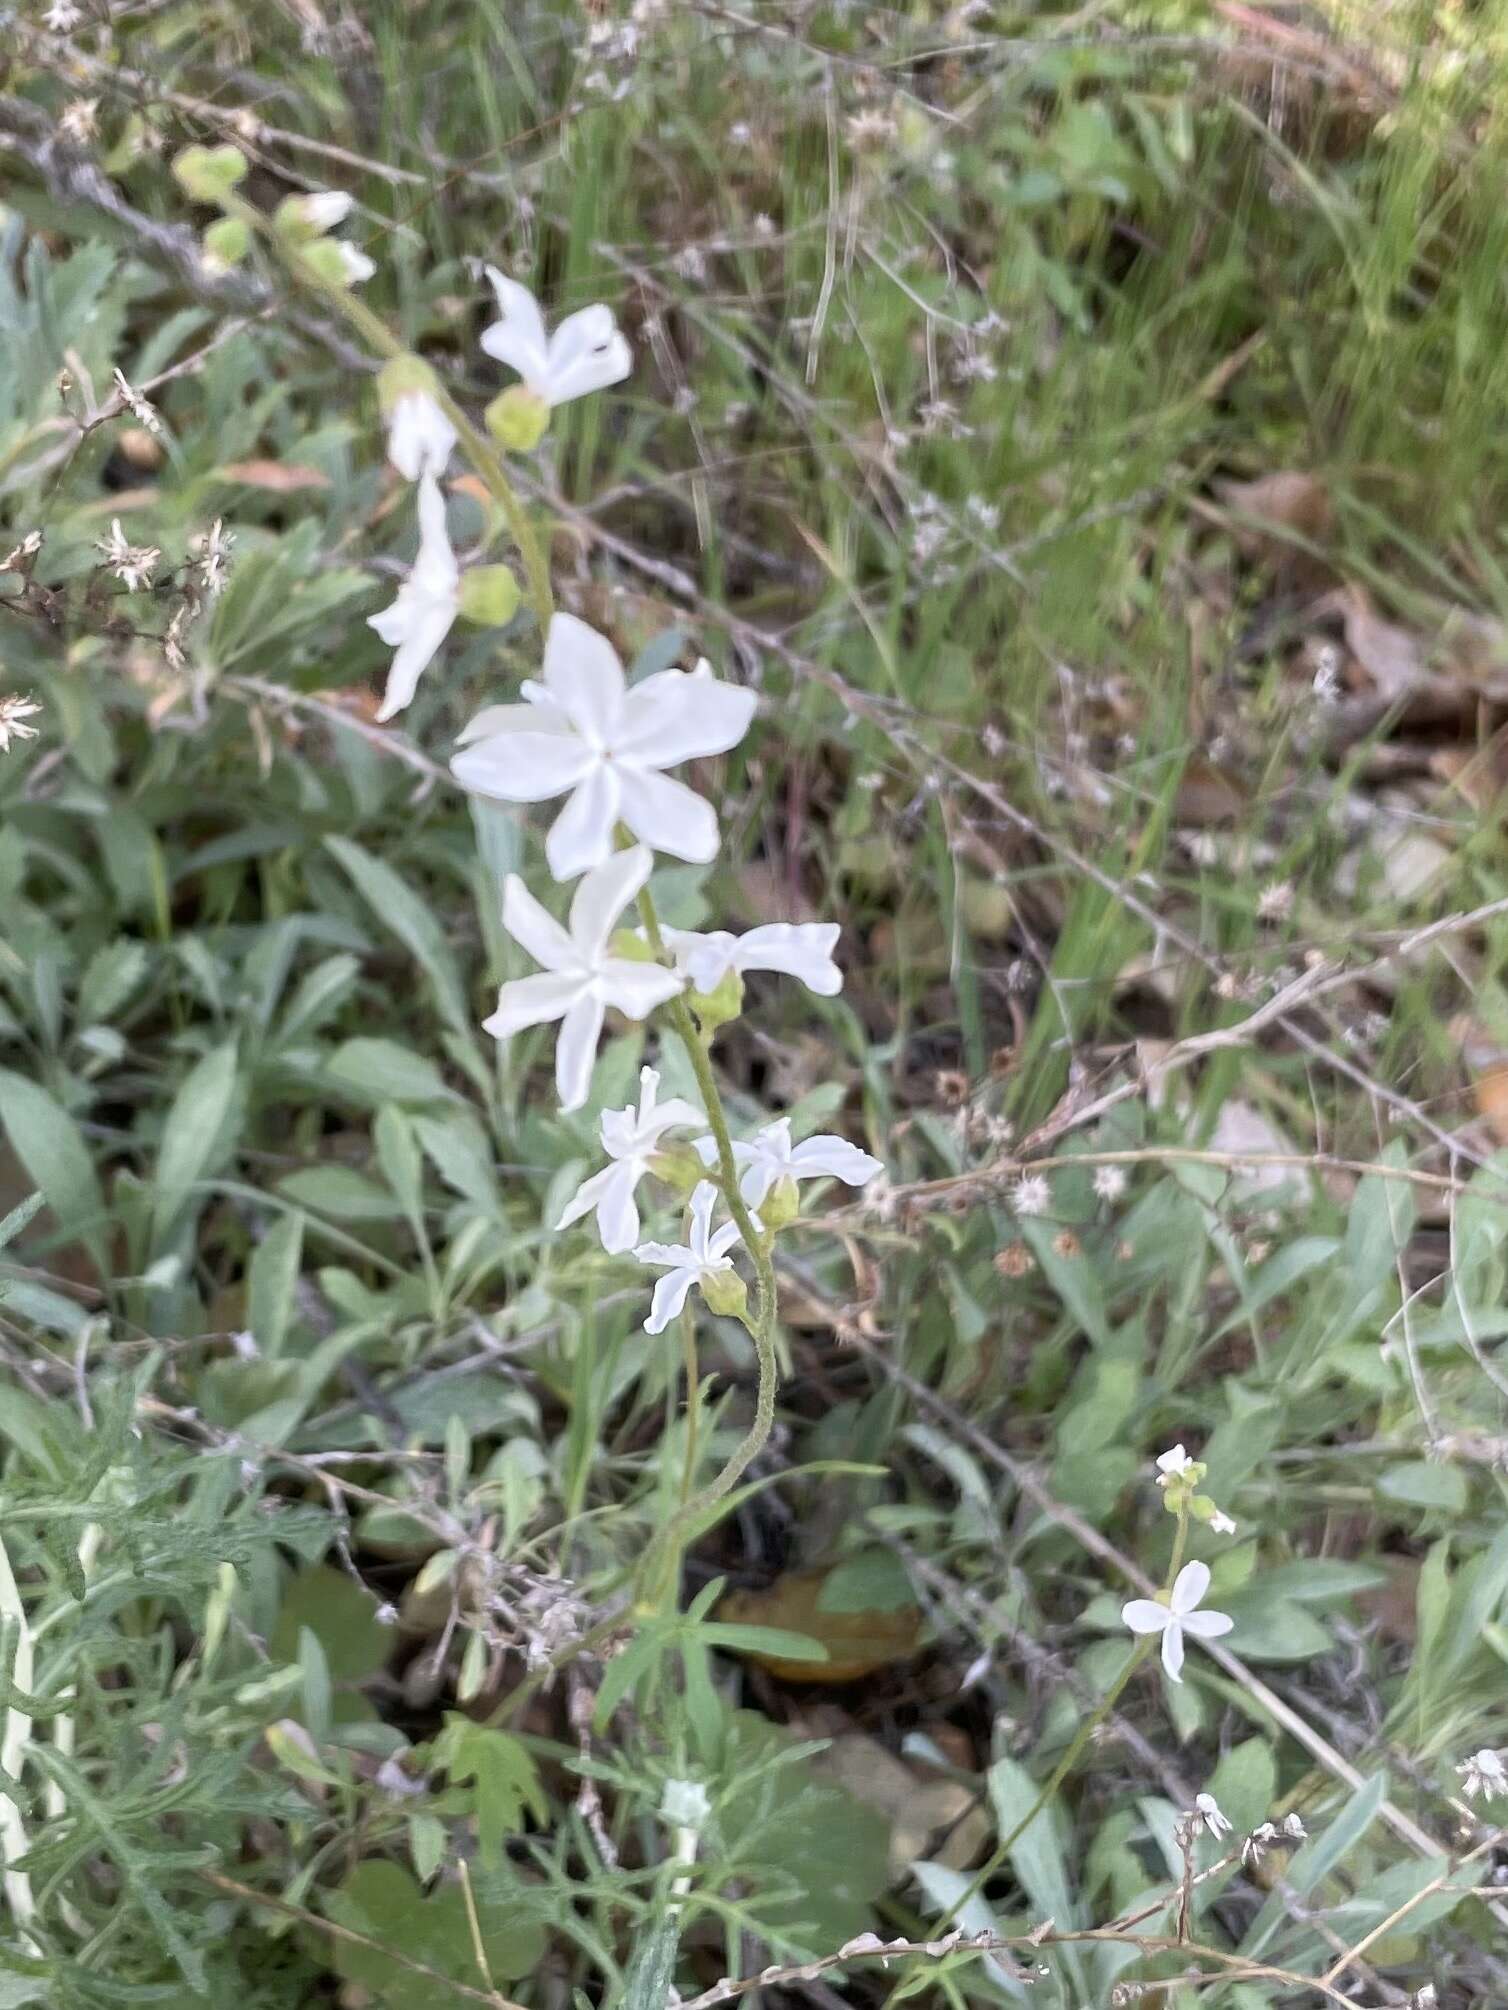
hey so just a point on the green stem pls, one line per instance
(375, 332)
(760, 1320)
(1071, 1757)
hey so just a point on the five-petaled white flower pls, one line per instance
(585, 731)
(770, 1156)
(630, 1138)
(428, 601)
(580, 977)
(586, 352)
(1207, 1808)
(1179, 1616)
(686, 1264)
(419, 436)
(1484, 1773)
(1172, 1465)
(801, 949)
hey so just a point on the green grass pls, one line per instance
(361, 1435)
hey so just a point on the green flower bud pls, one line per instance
(399, 376)
(227, 241)
(209, 174)
(725, 1292)
(716, 1008)
(680, 1168)
(310, 216)
(489, 595)
(780, 1205)
(330, 259)
(518, 419)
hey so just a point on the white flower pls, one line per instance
(421, 617)
(583, 731)
(1172, 1465)
(1484, 1773)
(1208, 1811)
(1179, 1616)
(801, 949)
(1032, 1195)
(1221, 1523)
(1266, 1834)
(770, 1156)
(579, 978)
(1109, 1182)
(630, 1138)
(62, 17)
(419, 436)
(690, 1263)
(325, 208)
(357, 265)
(586, 352)
(132, 564)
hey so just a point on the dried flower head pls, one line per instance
(79, 120)
(62, 17)
(132, 564)
(14, 712)
(211, 555)
(1109, 1182)
(143, 410)
(1275, 901)
(1207, 1809)
(19, 558)
(1484, 1775)
(1015, 1260)
(1067, 1245)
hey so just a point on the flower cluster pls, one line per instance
(1179, 1476)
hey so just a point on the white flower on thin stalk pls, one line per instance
(419, 436)
(579, 976)
(770, 1157)
(583, 731)
(802, 949)
(630, 1138)
(688, 1263)
(586, 353)
(132, 564)
(62, 17)
(1180, 1616)
(1484, 1774)
(428, 601)
(1172, 1465)
(1207, 1808)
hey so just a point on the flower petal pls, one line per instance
(586, 353)
(667, 815)
(576, 1050)
(675, 1114)
(758, 1177)
(1189, 1587)
(703, 1200)
(425, 623)
(635, 989)
(1207, 1625)
(540, 933)
(672, 717)
(602, 896)
(419, 436)
(1172, 1652)
(1145, 1615)
(669, 1296)
(531, 718)
(797, 949)
(531, 1001)
(584, 677)
(834, 1158)
(582, 835)
(705, 958)
(524, 767)
(617, 1211)
(585, 1198)
(518, 339)
(672, 1255)
(435, 568)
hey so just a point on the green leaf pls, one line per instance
(1425, 1483)
(399, 909)
(51, 1147)
(505, 1776)
(341, 1193)
(382, 1071)
(342, 1617)
(195, 1136)
(272, 1279)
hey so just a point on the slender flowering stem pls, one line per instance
(14, 1841)
(375, 332)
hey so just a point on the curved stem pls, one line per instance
(375, 332)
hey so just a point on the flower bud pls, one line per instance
(725, 1292)
(518, 419)
(209, 174)
(226, 243)
(680, 1168)
(304, 216)
(331, 260)
(780, 1205)
(489, 595)
(399, 377)
(716, 1008)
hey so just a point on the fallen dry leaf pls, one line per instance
(857, 1643)
(276, 477)
(1276, 516)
